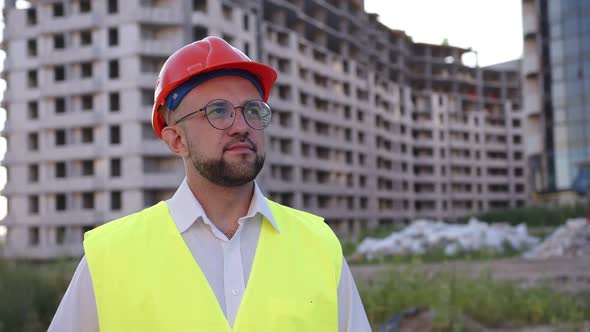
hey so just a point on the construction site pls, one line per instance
(459, 192)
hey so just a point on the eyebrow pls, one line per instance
(216, 103)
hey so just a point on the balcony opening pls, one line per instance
(115, 167)
(114, 102)
(60, 202)
(199, 32)
(85, 38)
(87, 135)
(113, 37)
(200, 6)
(60, 170)
(58, 10)
(88, 200)
(59, 41)
(112, 6)
(114, 69)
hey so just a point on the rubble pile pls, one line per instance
(423, 236)
(570, 240)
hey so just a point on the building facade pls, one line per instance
(556, 89)
(368, 127)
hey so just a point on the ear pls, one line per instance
(174, 138)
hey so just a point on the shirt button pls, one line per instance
(234, 292)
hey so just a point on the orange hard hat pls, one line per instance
(204, 56)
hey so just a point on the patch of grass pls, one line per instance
(348, 247)
(536, 216)
(438, 256)
(490, 302)
(380, 232)
(542, 232)
(30, 294)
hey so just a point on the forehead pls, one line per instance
(232, 88)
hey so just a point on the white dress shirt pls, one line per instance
(226, 264)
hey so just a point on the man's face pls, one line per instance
(229, 157)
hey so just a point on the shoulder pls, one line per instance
(289, 218)
(77, 309)
(128, 222)
(289, 214)
(311, 230)
(294, 213)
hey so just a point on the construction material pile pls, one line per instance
(570, 240)
(424, 236)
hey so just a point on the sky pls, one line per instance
(492, 28)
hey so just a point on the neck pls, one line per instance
(223, 205)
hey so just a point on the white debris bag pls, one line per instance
(422, 236)
(570, 240)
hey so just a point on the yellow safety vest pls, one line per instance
(146, 279)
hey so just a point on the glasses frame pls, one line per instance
(234, 113)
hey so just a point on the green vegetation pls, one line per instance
(30, 294)
(436, 256)
(380, 232)
(536, 216)
(454, 297)
(348, 247)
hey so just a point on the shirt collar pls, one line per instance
(185, 209)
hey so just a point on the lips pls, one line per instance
(240, 147)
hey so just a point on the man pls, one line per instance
(217, 256)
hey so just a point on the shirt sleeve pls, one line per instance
(77, 310)
(351, 313)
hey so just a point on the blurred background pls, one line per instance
(447, 143)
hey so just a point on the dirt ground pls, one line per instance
(564, 274)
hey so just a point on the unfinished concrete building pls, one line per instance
(368, 127)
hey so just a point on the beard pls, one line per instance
(224, 173)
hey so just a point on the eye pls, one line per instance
(217, 111)
(253, 112)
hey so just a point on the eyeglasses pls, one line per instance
(221, 114)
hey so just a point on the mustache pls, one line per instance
(241, 140)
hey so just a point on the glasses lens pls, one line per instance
(220, 113)
(257, 114)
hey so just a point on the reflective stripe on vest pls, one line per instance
(146, 279)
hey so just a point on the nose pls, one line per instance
(240, 126)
